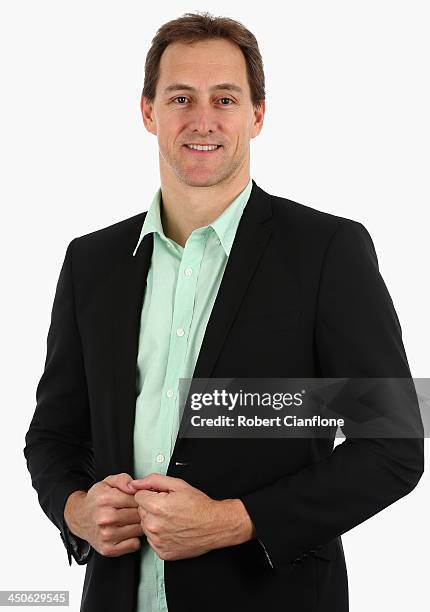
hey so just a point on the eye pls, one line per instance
(185, 98)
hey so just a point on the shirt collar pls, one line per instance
(225, 225)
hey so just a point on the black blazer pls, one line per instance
(301, 296)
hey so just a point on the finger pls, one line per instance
(117, 499)
(125, 533)
(145, 498)
(120, 481)
(126, 516)
(122, 548)
(159, 482)
(142, 513)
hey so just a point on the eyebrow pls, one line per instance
(185, 87)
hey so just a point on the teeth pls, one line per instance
(202, 148)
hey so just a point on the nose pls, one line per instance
(204, 119)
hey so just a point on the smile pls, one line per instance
(202, 150)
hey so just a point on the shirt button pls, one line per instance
(170, 393)
(188, 271)
(159, 458)
(180, 331)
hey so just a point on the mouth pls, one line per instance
(200, 152)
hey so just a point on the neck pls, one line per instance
(185, 208)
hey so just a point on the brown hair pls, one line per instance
(194, 27)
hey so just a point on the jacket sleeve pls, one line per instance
(357, 334)
(58, 447)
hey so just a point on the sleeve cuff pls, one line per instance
(76, 547)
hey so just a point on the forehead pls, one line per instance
(213, 59)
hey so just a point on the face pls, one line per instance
(191, 108)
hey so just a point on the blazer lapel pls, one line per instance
(252, 236)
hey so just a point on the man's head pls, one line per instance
(183, 104)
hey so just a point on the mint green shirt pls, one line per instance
(181, 288)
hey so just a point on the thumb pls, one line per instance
(159, 482)
(120, 481)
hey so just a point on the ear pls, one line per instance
(147, 109)
(258, 119)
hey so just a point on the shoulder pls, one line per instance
(110, 242)
(312, 225)
(307, 217)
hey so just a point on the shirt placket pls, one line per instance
(182, 316)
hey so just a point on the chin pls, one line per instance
(194, 179)
(200, 182)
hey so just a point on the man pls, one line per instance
(218, 279)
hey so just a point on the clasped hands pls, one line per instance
(180, 521)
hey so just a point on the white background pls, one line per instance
(346, 131)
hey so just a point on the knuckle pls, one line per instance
(106, 550)
(104, 533)
(135, 544)
(104, 519)
(154, 508)
(103, 499)
(151, 528)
